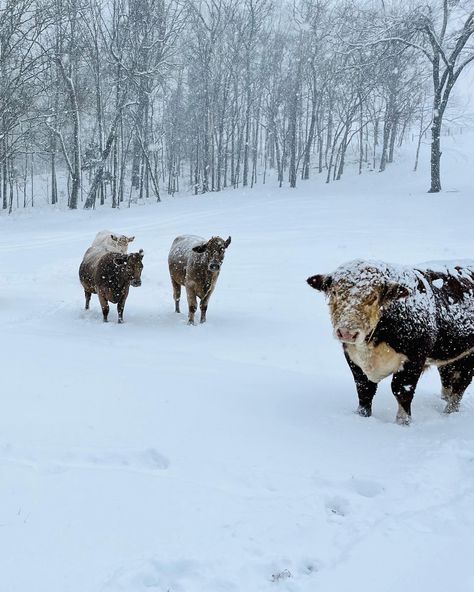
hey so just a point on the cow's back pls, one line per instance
(452, 286)
(181, 255)
(437, 319)
(88, 267)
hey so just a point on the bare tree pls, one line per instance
(441, 31)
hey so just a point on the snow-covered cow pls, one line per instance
(106, 242)
(195, 264)
(107, 270)
(396, 321)
(112, 242)
(110, 277)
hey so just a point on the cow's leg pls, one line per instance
(121, 305)
(88, 298)
(455, 378)
(403, 387)
(446, 375)
(104, 304)
(366, 389)
(192, 304)
(203, 306)
(176, 294)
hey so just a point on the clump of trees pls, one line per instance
(127, 98)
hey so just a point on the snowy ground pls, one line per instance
(153, 456)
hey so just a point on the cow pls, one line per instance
(394, 320)
(110, 277)
(105, 242)
(112, 242)
(195, 264)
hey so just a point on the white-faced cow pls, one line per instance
(110, 241)
(195, 264)
(399, 320)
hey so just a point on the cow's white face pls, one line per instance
(121, 241)
(355, 311)
(357, 295)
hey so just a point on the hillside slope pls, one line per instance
(153, 456)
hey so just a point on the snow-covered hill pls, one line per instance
(154, 456)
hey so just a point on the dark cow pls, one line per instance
(110, 278)
(195, 264)
(399, 320)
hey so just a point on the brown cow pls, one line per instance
(398, 321)
(195, 264)
(110, 278)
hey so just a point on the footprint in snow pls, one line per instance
(366, 488)
(337, 506)
(147, 460)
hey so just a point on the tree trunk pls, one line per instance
(435, 155)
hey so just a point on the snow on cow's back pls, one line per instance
(455, 268)
(183, 244)
(370, 272)
(93, 255)
(455, 280)
(188, 240)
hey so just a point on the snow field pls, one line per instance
(153, 456)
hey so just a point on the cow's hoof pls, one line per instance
(120, 321)
(403, 420)
(451, 408)
(106, 321)
(364, 411)
(190, 323)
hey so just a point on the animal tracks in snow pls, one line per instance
(366, 488)
(337, 506)
(340, 505)
(142, 461)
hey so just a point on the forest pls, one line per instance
(116, 101)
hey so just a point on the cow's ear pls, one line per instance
(114, 237)
(320, 282)
(120, 259)
(200, 248)
(130, 239)
(227, 242)
(394, 292)
(141, 252)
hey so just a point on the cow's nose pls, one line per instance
(344, 334)
(214, 267)
(136, 283)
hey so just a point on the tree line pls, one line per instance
(122, 100)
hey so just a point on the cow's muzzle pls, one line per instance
(346, 335)
(136, 283)
(214, 267)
